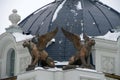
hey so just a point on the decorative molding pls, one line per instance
(106, 45)
(14, 18)
(6, 39)
(13, 29)
(108, 64)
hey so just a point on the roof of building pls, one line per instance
(89, 16)
(77, 16)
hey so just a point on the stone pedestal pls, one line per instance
(59, 74)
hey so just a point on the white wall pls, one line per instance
(74, 74)
(107, 59)
(22, 56)
(6, 42)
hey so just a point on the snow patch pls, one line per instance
(61, 63)
(78, 6)
(110, 36)
(74, 12)
(58, 9)
(20, 37)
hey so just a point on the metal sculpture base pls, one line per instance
(70, 67)
(77, 66)
(30, 67)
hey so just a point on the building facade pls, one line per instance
(14, 59)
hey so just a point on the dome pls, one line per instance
(76, 16)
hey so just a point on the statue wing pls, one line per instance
(73, 38)
(44, 39)
(85, 37)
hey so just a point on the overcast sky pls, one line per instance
(26, 7)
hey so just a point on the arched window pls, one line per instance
(10, 62)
